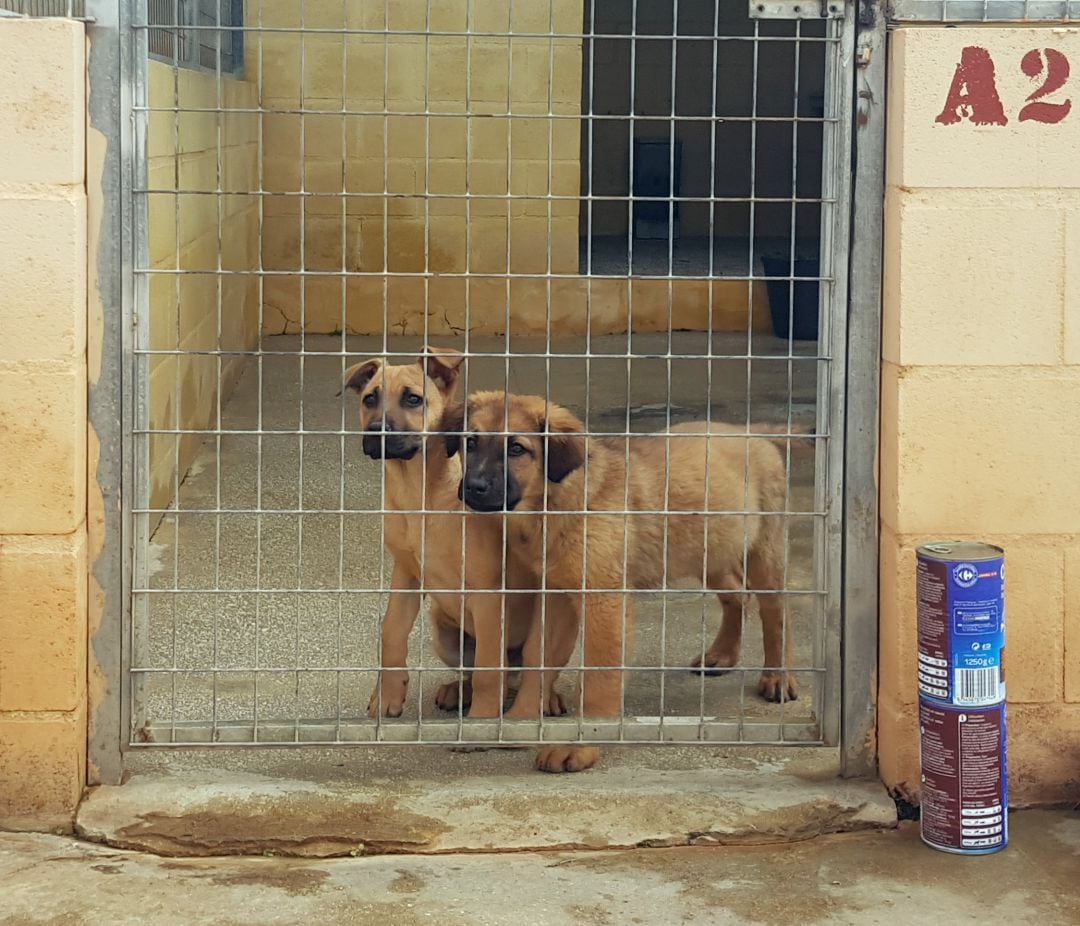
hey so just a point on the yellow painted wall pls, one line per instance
(188, 311)
(466, 142)
(980, 387)
(980, 429)
(43, 458)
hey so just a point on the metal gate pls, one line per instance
(638, 211)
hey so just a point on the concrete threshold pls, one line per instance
(345, 810)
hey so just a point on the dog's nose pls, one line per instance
(477, 486)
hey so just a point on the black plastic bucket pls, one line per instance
(801, 321)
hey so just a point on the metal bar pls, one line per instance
(344, 324)
(260, 387)
(510, 733)
(555, 355)
(785, 624)
(469, 11)
(181, 56)
(796, 9)
(671, 205)
(421, 670)
(860, 569)
(303, 356)
(278, 591)
(790, 433)
(425, 502)
(450, 33)
(836, 237)
(218, 397)
(703, 627)
(541, 707)
(139, 626)
(508, 326)
(977, 11)
(109, 285)
(300, 194)
(386, 314)
(316, 274)
(751, 242)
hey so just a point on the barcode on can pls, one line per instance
(978, 686)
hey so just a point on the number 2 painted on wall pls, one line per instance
(1057, 73)
(973, 93)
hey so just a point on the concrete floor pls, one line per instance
(687, 256)
(317, 650)
(886, 877)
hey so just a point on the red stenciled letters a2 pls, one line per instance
(973, 94)
(1057, 72)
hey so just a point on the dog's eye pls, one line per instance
(470, 443)
(515, 449)
(413, 400)
(371, 400)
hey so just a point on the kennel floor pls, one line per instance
(226, 648)
(685, 256)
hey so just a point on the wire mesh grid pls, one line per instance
(595, 204)
(984, 10)
(44, 8)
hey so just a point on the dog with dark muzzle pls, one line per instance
(600, 516)
(428, 536)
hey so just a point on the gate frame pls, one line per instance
(110, 280)
(861, 541)
(113, 145)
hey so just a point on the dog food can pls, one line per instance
(961, 623)
(965, 793)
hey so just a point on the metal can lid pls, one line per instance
(973, 550)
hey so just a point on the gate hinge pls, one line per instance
(797, 9)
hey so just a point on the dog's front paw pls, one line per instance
(556, 705)
(714, 663)
(452, 694)
(388, 698)
(778, 686)
(557, 759)
(526, 708)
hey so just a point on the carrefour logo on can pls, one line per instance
(965, 575)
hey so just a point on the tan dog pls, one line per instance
(523, 455)
(399, 406)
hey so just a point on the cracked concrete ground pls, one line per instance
(194, 651)
(859, 879)
(323, 803)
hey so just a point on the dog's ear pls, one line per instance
(451, 423)
(565, 443)
(442, 365)
(360, 374)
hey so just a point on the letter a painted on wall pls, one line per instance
(973, 94)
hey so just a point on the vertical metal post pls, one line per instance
(835, 240)
(860, 564)
(110, 282)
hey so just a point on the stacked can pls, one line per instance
(961, 628)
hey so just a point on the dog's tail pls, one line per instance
(800, 438)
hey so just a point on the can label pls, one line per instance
(965, 797)
(961, 615)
